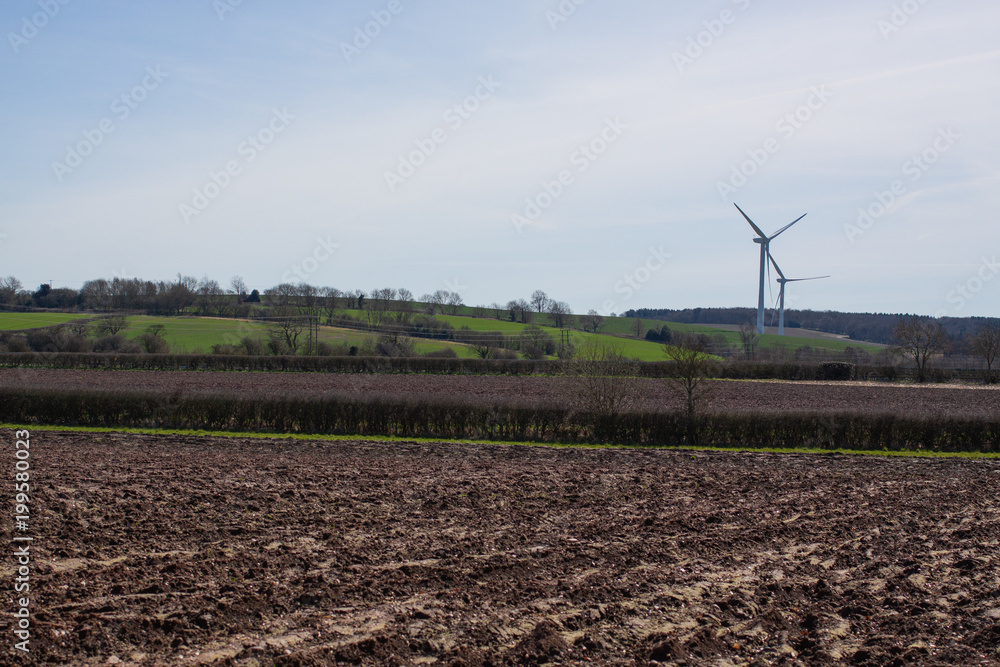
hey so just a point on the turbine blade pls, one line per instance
(796, 280)
(770, 257)
(788, 225)
(755, 227)
(769, 292)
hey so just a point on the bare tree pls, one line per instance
(9, 287)
(748, 339)
(96, 294)
(519, 310)
(284, 329)
(454, 301)
(986, 345)
(607, 378)
(175, 297)
(208, 292)
(592, 321)
(377, 306)
(485, 343)
(692, 369)
(222, 305)
(78, 327)
(328, 302)
(637, 327)
(281, 295)
(239, 287)
(405, 297)
(498, 310)
(111, 325)
(560, 313)
(351, 298)
(919, 339)
(539, 300)
(307, 296)
(435, 302)
(535, 343)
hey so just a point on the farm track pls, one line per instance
(656, 394)
(160, 550)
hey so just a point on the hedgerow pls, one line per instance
(735, 370)
(482, 420)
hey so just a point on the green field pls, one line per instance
(336, 335)
(485, 324)
(641, 350)
(199, 334)
(16, 321)
(789, 341)
(195, 334)
(624, 330)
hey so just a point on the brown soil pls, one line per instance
(656, 394)
(190, 550)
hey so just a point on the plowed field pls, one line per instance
(896, 399)
(187, 550)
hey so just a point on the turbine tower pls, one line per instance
(764, 240)
(781, 293)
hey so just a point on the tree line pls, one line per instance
(870, 327)
(207, 296)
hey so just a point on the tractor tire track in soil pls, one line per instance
(655, 394)
(197, 550)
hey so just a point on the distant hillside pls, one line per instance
(871, 327)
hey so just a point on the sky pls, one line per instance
(593, 150)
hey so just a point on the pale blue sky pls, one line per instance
(872, 86)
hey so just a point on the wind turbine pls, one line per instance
(781, 293)
(764, 240)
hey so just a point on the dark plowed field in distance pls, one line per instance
(656, 394)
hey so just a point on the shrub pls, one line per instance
(18, 344)
(117, 343)
(836, 370)
(535, 343)
(57, 339)
(392, 345)
(74, 343)
(278, 347)
(662, 335)
(42, 340)
(942, 375)
(152, 340)
(252, 346)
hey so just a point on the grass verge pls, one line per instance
(391, 439)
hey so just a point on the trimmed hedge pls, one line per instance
(732, 370)
(349, 415)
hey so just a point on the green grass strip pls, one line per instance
(554, 445)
